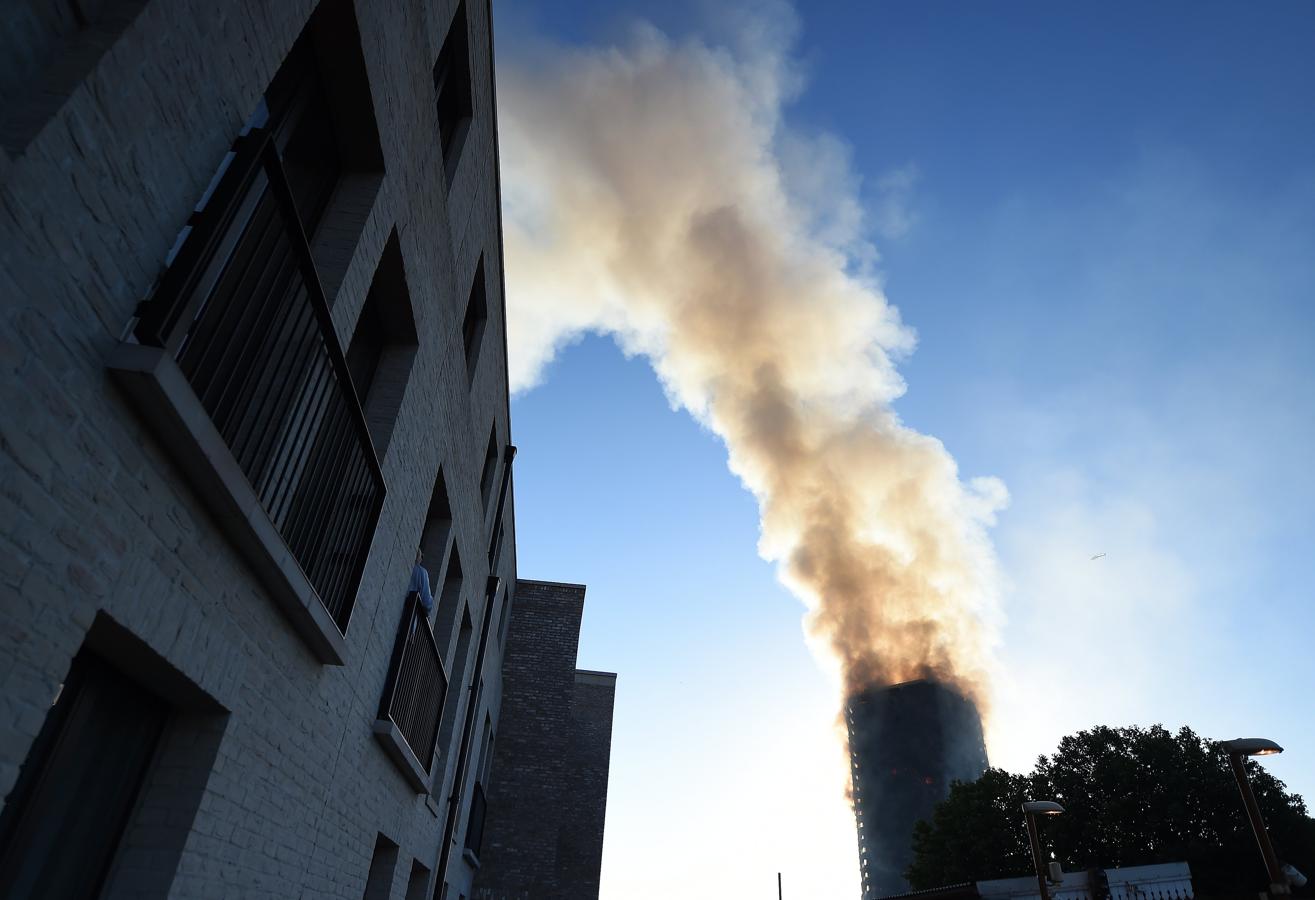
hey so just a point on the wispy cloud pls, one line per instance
(893, 213)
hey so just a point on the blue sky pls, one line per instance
(1100, 221)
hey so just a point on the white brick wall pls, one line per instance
(95, 516)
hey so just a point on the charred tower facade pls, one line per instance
(907, 743)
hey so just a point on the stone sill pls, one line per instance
(399, 751)
(471, 859)
(171, 410)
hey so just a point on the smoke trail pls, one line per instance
(652, 192)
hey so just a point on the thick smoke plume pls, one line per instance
(653, 192)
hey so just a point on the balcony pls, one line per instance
(412, 704)
(236, 366)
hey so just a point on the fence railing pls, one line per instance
(242, 311)
(417, 684)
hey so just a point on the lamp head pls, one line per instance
(1042, 807)
(1251, 747)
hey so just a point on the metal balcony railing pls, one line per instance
(242, 311)
(417, 684)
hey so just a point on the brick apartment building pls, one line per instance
(543, 837)
(254, 358)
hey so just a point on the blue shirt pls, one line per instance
(420, 584)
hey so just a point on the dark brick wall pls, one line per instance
(544, 831)
(584, 805)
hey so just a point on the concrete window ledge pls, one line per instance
(166, 402)
(390, 738)
(471, 859)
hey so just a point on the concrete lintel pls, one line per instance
(171, 410)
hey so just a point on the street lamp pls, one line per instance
(1236, 750)
(1032, 809)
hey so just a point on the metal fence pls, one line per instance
(417, 684)
(242, 310)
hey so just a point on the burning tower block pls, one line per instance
(907, 742)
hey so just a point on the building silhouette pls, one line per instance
(255, 359)
(907, 743)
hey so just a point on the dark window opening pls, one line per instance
(505, 625)
(301, 123)
(77, 788)
(478, 802)
(486, 477)
(383, 347)
(366, 349)
(456, 683)
(472, 325)
(437, 531)
(35, 30)
(419, 880)
(495, 550)
(379, 881)
(452, 87)
(47, 49)
(486, 752)
(449, 602)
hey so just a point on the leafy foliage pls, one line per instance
(1133, 796)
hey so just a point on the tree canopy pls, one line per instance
(1133, 796)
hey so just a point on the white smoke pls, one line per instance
(653, 192)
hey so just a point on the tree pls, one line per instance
(1133, 796)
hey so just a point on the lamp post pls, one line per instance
(1032, 809)
(1237, 750)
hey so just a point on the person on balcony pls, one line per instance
(420, 583)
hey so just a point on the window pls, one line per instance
(365, 350)
(506, 618)
(449, 602)
(379, 881)
(452, 88)
(302, 127)
(79, 783)
(486, 477)
(437, 531)
(499, 531)
(383, 347)
(479, 794)
(456, 684)
(472, 324)
(419, 880)
(47, 49)
(486, 753)
(495, 549)
(36, 29)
